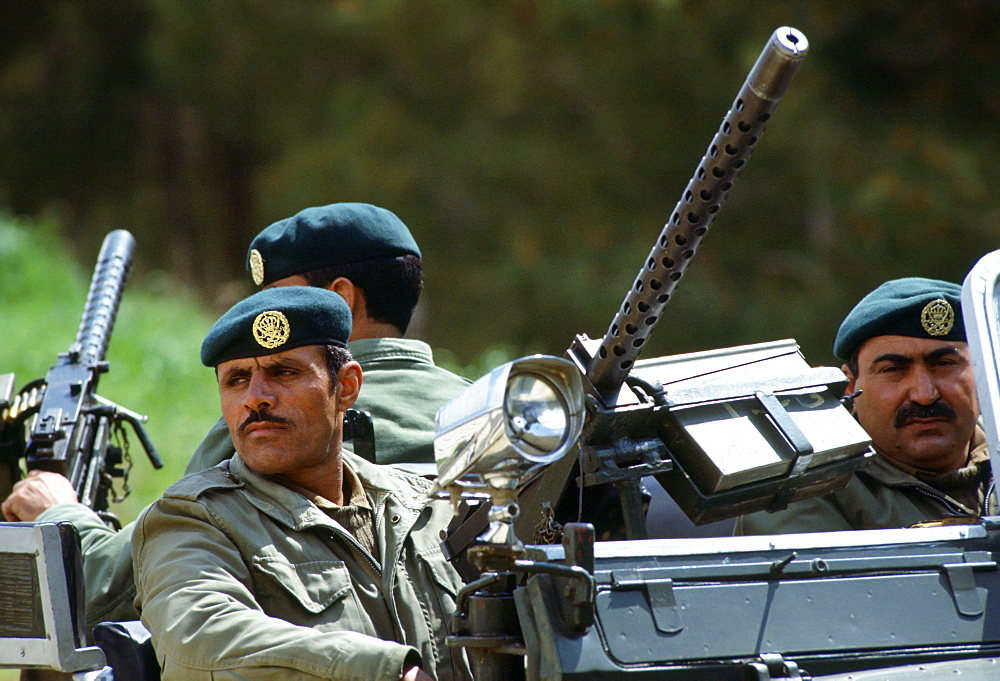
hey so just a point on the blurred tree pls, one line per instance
(534, 147)
(69, 84)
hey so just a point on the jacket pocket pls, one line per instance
(441, 571)
(313, 586)
(444, 583)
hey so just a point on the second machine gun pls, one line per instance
(60, 423)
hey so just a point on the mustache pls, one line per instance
(911, 410)
(262, 416)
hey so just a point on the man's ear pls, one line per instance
(349, 382)
(349, 292)
(851, 379)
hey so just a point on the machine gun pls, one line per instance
(725, 432)
(60, 423)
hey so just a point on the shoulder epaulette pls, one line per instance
(194, 485)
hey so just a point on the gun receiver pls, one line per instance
(694, 213)
(73, 429)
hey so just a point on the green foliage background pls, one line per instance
(535, 148)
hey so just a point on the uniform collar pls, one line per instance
(410, 490)
(384, 349)
(281, 503)
(295, 511)
(354, 492)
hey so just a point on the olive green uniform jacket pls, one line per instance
(879, 496)
(240, 577)
(402, 389)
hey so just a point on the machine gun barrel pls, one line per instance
(104, 298)
(695, 211)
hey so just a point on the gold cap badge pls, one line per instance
(937, 317)
(256, 266)
(271, 329)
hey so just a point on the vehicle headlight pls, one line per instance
(519, 417)
(537, 416)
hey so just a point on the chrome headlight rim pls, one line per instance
(530, 390)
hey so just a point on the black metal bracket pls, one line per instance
(772, 667)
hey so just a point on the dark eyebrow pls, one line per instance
(230, 373)
(266, 364)
(935, 355)
(892, 357)
(932, 356)
(282, 363)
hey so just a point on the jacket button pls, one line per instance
(394, 519)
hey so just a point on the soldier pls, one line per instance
(907, 360)
(366, 254)
(295, 558)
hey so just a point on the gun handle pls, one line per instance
(147, 444)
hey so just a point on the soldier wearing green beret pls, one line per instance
(907, 360)
(368, 256)
(294, 559)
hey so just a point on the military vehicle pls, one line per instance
(554, 451)
(914, 603)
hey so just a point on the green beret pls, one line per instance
(275, 320)
(338, 234)
(915, 307)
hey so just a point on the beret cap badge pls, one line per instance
(257, 267)
(275, 320)
(914, 307)
(937, 317)
(271, 329)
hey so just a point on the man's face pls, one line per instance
(284, 415)
(919, 400)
